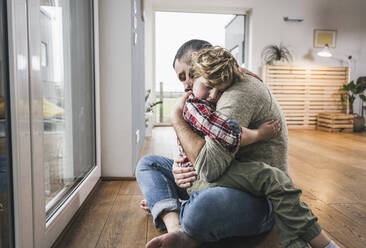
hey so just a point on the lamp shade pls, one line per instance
(325, 52)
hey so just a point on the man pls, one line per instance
(250, 103)
(234, 213)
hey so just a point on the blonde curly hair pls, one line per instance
(215, 64)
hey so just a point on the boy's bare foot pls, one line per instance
(144, 206)
(176, 239)
(1, 207)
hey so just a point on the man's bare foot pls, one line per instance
(176, 239)
(144, 206)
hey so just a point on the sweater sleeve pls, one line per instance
(204, 119)
(235, 104)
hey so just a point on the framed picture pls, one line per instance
(323, 37)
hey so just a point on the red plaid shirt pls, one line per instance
(203, 119)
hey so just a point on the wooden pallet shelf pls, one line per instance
(303, 92)
(335, 122)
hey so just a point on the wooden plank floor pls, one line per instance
(329, 168)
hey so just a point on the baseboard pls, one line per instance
(118, 178)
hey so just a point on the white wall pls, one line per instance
(138, 83)
(267, 27)
(115, 87)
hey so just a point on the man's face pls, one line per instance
(182, 71)
(203, 89)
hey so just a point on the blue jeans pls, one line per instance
(208, 215)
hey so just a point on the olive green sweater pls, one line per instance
(251, 104)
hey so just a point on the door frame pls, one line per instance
(20, 126)
(31, 228)
(214, 7)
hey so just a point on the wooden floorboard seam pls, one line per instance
(309, 194)
(345, 217)
(329, 174)
(106, 220)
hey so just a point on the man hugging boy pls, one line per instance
(214, 70)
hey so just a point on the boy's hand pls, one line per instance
(183, 176)
(269, 129)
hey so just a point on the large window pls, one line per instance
(68, 96)
(209, 27)
(6, 203)
(54, 128)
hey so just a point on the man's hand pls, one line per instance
(177, 108)
(183, 176)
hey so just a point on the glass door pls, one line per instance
(60, 94)
(235, 38)
(6, 203)
(66, 59)
(65, 152)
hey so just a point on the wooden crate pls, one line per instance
(305, 91)
(335, 122)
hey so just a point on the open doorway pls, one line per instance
(172, 29)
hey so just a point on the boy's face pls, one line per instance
(203, 89)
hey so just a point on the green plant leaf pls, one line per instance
(351, 99)
(152, 105)
(362, 97)
(362, 82)
(343, 98)
(147, 94)
(273, 53)
(352, 87)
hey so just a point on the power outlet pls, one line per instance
(137, 136)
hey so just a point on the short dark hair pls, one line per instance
(188, 47)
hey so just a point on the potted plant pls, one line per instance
(149, 107)
(352, 90)
(274, 53)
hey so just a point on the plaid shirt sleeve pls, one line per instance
(202, 117)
